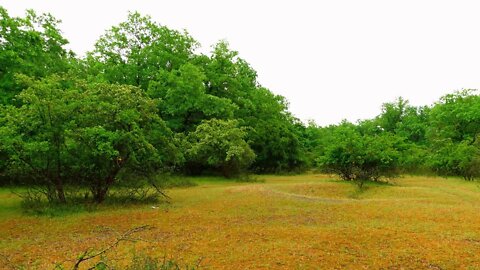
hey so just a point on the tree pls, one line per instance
(183, 101)
(119, 131)
(134, 51)
(191, 88)
(408, 124)
(34, 134)
(33, 46)
(71, 132)
(220, 144)
(453, 159)
(453, 134)
(275, 135)
(392, 114)
(228, 75)
(272, 132)
(358, 157)
(456, 116)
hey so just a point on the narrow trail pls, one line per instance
(268, 190)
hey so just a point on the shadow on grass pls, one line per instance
(249, 178)
(214, 179)
(368, 185)
(77, 205)
(34, 199)
(389, 182)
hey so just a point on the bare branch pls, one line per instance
(127, 236)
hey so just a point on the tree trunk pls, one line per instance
(101, 190)
(100, 194)
(60, 191)
(58, 178)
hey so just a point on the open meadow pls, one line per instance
(286, 222)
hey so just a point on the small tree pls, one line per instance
(220, 144)
(33, 135)
(357, 157)
(69, 132)
(118, 130)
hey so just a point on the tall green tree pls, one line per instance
(183, 101)
(134, 51)
(274, 135)
(456, 116)
(32, 45)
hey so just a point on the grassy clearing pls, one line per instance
(287, 222)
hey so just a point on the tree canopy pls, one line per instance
(32, 45)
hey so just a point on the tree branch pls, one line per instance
(89, 254)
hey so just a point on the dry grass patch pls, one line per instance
(292, 222)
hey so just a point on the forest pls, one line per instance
(144, 106)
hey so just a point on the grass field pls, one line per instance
(287, 222)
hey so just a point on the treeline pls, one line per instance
(144, 101)
(440, 139)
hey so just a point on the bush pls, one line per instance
(219, 144)
(69, 132)
(358, 157)
(462, 159)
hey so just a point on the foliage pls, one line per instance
(136, 50)
(191, 88)
(456, 116)
(454, 133)
(83, 134)
(275, 135)
(219, 144)
(183, 101)
(358, 157)
(457, 159)
(32, 45)
(144, 101)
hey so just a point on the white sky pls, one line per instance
(332, 60)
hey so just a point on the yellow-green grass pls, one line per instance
(287, 222)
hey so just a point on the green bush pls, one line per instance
(358, 157)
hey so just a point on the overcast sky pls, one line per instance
(332, 60)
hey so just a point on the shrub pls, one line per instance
(358, 157)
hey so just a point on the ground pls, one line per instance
(287, 222)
